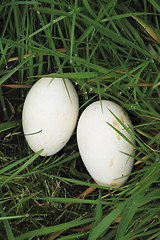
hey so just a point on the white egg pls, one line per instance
(105, 153)
(50, 114)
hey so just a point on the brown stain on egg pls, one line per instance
(116, 124)
(63, 142)
(111, 162)
(118, 137)
(125, 115)
(122, 119)
(113, 184)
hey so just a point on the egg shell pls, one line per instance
(103, 150)
(50, 114)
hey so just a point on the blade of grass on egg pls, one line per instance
(137, 139)
(129, 131)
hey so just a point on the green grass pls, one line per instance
(109, 50)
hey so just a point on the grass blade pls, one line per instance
(56, 228)
(7, 226)
(8, 125)
(106, 222)
(21, 168)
